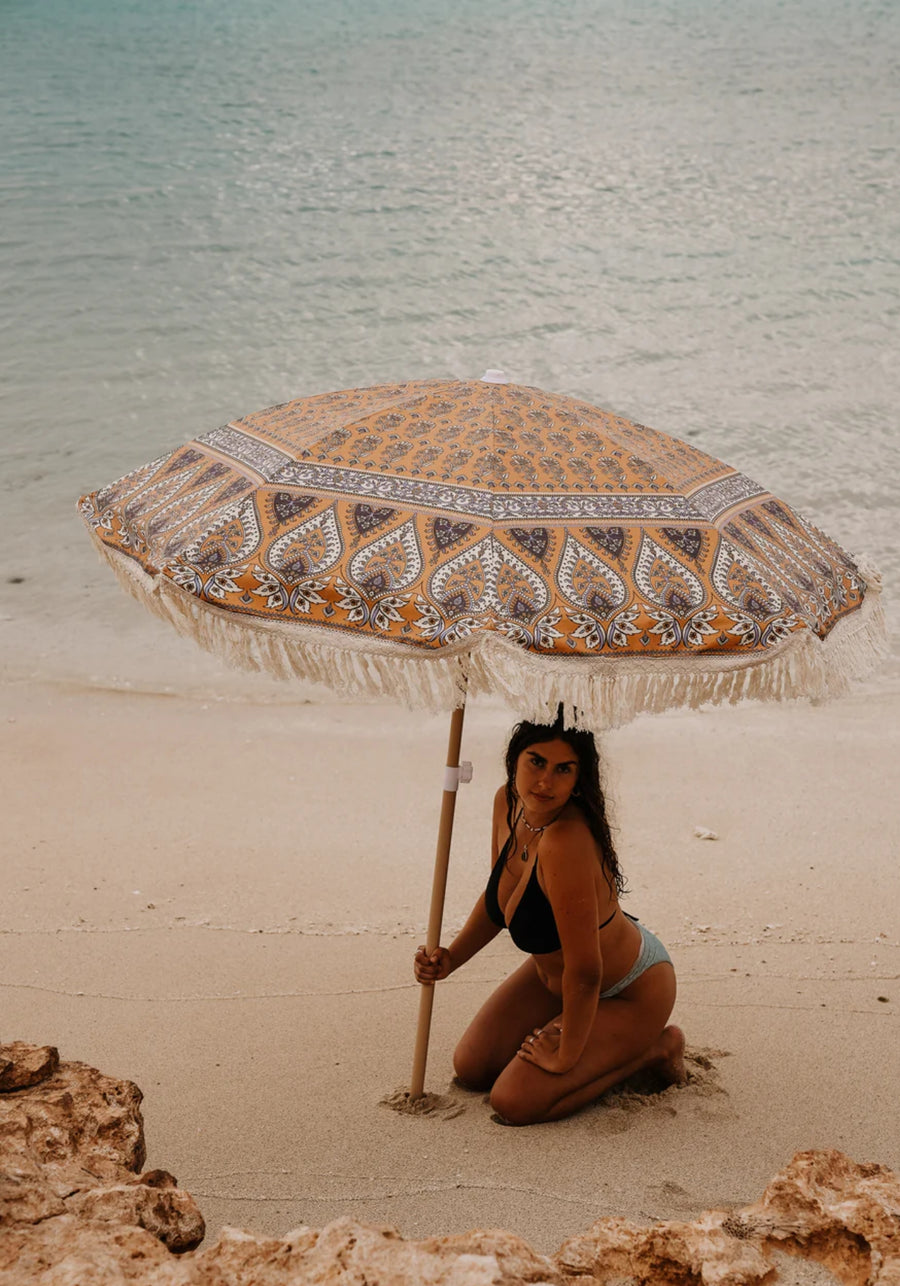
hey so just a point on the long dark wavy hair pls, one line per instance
(589, 799)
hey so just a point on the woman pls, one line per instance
(589, 1007)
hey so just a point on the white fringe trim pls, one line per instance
(600, 693)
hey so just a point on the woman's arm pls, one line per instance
(476, 933)
(478, 930)
(569, 866)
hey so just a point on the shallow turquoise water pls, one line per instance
(687, 212)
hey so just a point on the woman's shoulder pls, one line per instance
(569, 837)
(571, 824)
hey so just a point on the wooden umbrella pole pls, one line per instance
(438, 890)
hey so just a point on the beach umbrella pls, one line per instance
(435, 539)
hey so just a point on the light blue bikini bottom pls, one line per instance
(652, 952)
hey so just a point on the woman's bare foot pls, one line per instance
(666, 1059)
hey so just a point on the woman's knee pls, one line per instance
(471, 1067)
(517, 1103)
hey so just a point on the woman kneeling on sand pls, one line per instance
(555, 884)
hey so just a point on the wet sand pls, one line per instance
(220, 901)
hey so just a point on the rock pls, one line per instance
(25, 1194)
(346, 1253)
(67, 1252)
(239, 1256)
(76, 1114)
(828, 1208)
(71, 1148)
(162, 1209)
(822, 1206)
(23, 1065)
(698, 1252)
(74, 1211)
(515, 1259)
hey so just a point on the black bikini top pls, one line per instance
(533, 925)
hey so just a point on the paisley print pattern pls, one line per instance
(234, 538)
(740, 585)
(665, 580)
(588, 582)
(431, 511)
(389, 564)
(313, 546)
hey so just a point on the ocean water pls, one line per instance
(686, 211)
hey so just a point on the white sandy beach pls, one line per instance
(220, 901)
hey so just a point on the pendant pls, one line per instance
(524, 852)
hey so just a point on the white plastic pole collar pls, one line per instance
(454, 776)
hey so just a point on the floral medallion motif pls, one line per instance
(148, 499)
(368, 518)
(178, 512)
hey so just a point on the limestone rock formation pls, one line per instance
(22, 1065)
(76, 1211)
(822, 1206)
(346, 1253)
(71, 1151)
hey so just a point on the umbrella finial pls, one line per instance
(495, 377)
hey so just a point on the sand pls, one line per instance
(221, 900)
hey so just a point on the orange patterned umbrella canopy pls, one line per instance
(422, 538)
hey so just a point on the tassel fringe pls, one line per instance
(599, 694)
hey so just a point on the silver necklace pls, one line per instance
(535, 830)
